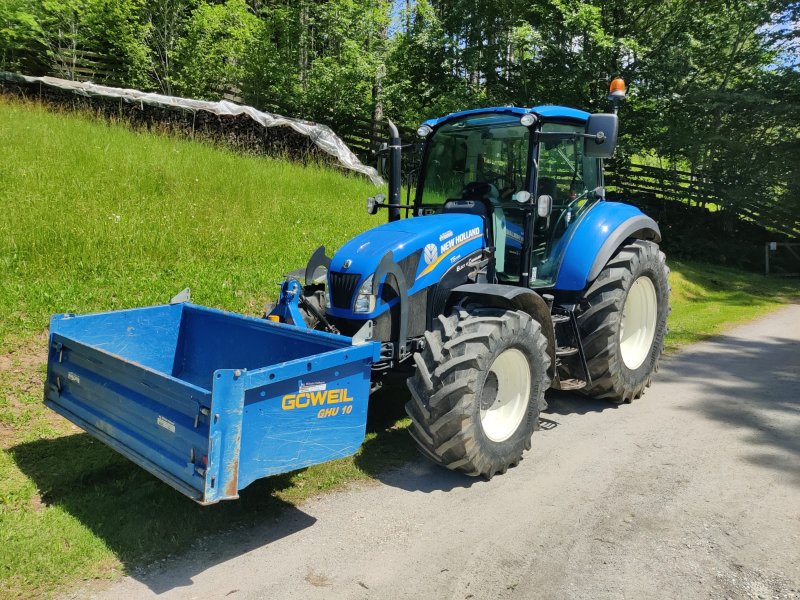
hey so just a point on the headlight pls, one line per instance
(424, 130)
(365, 301)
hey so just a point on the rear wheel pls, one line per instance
(624, 327)
(478, 389)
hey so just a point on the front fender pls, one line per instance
(513, 298)
(596, 237)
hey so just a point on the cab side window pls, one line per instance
(570, 178)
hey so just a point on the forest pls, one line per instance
(714, 84)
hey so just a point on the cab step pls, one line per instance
(568, 344)
(570, 384)
(566, 351)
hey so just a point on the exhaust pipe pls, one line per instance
(394, 172)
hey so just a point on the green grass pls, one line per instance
(707, 299)
(94, 217)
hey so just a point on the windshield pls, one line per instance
(490, 151)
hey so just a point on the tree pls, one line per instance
(167, 23)
(211, 57)
(22, 40)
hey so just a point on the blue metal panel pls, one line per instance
(555, 112)
(305, 413)
(146, 415)
(194, 406)
(583, 242)
(551, 112)
(442, 239)
(149, 336)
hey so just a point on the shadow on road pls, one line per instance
(417, 474)
(573, 403)
(141, 520)
(753, 386)
(423, 475)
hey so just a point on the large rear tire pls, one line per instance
(478, 389)
(623, 329)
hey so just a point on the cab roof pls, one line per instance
(545, 111)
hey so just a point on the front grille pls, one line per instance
(343, 285)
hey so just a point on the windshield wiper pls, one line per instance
(573, 167)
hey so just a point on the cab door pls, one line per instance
(569, 178)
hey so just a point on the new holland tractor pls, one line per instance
(510, 274)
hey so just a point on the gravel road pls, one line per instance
(691, 492)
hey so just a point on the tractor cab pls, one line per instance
(532, 172)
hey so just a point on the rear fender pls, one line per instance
(596, 238)
(509, 297)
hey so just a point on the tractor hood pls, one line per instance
(438, 241)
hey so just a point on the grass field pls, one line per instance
(94, 217)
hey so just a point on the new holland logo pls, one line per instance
(430, 253)
(434, 255)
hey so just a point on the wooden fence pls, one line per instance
(82, 65)
(699, 190)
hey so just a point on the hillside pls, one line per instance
(97, 216)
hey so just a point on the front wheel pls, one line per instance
(478, 389)
(624, 327)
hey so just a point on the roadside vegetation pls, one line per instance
(98, 217)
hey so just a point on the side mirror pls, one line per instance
(602, 131)
(374, 203)
(544, 205)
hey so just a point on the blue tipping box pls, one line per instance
(207, 400)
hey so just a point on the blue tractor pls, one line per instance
(510, 274)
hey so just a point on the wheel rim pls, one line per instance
(637, 327)
(505, 395)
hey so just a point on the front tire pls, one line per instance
(623, 329)
(478, 389)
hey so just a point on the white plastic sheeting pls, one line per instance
(322, 135)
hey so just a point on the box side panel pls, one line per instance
(146, 336)
(213, 340)
(155, 421)
(307, 418)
